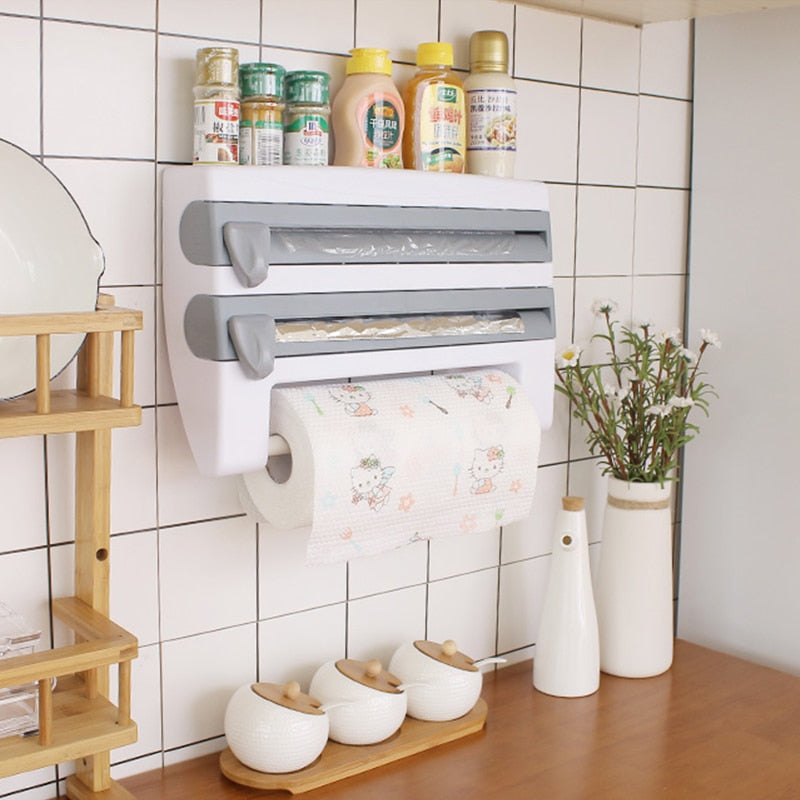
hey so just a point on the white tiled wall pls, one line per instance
(102, 92)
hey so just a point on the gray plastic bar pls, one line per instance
(327, 234)
(206, 321)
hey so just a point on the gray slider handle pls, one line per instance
(253, 337)
(248, 245)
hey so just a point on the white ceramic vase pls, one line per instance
(634, 589)
(566, 662)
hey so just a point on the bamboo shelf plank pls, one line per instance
(77, 791)
(70, 411)
(81, 726)
(87, 622)
(101, 321)
(99, 652)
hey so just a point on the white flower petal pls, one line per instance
(678, 401)
(711, 338)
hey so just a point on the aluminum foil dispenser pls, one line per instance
(290, 275)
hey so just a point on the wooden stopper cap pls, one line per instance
(572, 503)
(291, 690)
(449, 648)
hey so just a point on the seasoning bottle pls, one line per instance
(307, 119)
(216, 106)
(261, 125)
(491, 101)
(567, 658)
(368, 113)
(435, 130)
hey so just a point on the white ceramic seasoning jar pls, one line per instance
(272, 728)
(367, 704)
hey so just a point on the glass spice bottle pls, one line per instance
(216, 106)
(261, 125)
(307, 118)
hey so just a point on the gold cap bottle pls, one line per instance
(488, 51)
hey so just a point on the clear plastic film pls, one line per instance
(397, 245)
(398, 327)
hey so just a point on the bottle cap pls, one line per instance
(261, 79)
(305, 86)
(369, 59)
(488, 51)
(217, 65)
(435, 53)
(572, 503)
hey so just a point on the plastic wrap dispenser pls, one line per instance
(248, 250)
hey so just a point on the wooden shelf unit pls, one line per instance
(77, 721)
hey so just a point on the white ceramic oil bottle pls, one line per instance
(567, 658)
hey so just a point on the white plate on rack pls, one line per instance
(49, 262)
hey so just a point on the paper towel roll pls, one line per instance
(381, 463)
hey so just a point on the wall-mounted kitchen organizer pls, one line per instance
(77, 721)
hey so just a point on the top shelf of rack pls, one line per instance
(91, 405)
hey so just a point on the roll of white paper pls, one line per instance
(378, 464)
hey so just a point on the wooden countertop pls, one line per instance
(712, 726)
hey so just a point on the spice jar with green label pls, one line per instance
(307, 118)
(216, 106)
(261, 125)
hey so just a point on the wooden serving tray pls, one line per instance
(342, 761)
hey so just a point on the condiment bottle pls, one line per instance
(261, 125)
(216, 106)
(435, 132)
(491, 101)
(307, 119)
(567, 658)
(368, 113)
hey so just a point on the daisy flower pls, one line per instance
(709, 337)
(603, 307)
(569, 357)
(678, 401)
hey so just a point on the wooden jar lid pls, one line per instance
(446, 653)
(288, 695)
(369, 673)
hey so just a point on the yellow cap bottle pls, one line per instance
(435, 136)
(368, 115)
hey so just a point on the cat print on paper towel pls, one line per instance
(355, 399)
(370, 482)
(486, 464)
(470, 386)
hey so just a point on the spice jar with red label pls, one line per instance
(216, 106)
